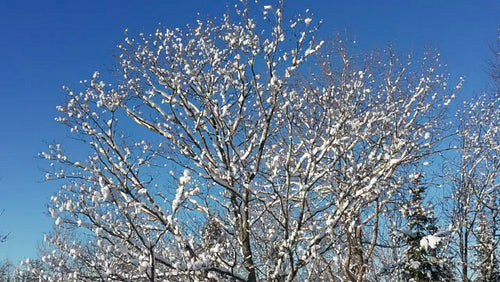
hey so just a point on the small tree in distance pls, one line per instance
(424, 261)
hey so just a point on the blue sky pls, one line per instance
(47, 44)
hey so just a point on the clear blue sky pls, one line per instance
(47, 44)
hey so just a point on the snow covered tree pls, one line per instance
(487, 231)
(6, 271)
(475, 179)
(486, 250)
(423, 261)
(211, 95)
(473, 171)
(392, 122)
(234, 150)
(65, 255)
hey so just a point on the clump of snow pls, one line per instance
(183, 180)
(430, 241)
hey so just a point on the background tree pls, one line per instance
(424, 260)
(486, 250)
(476, 180)
(391, 122)
(64, 254)
(6, 271)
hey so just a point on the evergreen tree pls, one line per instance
(423, 261)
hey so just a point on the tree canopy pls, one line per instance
(249, 149)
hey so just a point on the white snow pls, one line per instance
(430, 241)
